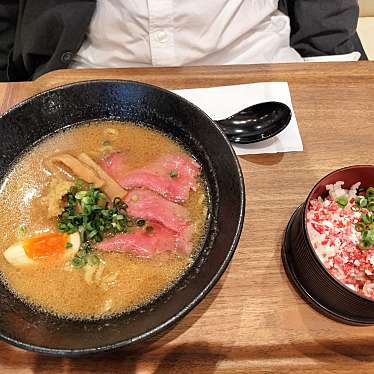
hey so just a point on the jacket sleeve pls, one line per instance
(8, 22)
(323, 27)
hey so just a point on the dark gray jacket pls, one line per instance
(37, 36)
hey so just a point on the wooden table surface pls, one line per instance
(252, 321)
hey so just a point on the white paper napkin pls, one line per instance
(222, 102)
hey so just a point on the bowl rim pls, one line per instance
(338, 282)
(201, 295)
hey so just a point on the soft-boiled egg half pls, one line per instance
(28, 251)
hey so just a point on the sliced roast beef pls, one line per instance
(172, 175)
(115, 165)
(149, 241)
(151, 206)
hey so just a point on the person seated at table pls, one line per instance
(37, 36)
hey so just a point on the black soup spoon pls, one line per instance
(257, 122)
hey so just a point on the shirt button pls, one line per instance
(67, 57)
(162, 36)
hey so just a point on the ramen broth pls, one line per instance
(126, 281)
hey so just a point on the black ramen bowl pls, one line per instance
(52, 111)
(305, 270)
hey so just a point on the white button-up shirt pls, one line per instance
(126, 33)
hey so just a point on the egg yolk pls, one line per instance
(45, 245)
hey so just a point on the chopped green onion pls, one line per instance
(118, 217)
(342, 201)
(81, 253)
(91, 219)
(371, 206)
(79, 184)
(366, 226)
(140, 222)
(84, 256)
(366, 219)
(361, 202)
(370, 192)
(93, 260)
(92, 234)
(370, 237)
(78, 262)
(80, 195)
(364, 244)
(68, 245)
(87, 247)
(360, 226)
(21, 232)
(173, 174)
(89, 212)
